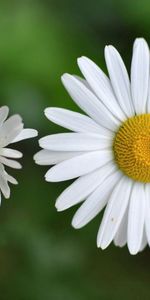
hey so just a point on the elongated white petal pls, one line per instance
(119, 79)
(87, 101)
(4, 187)
(47, 157)
(4, 110)
(147, 211)
(10, 129)
(114, 212)
(144, 241)
(75, 121)
(75, 142)
(10, 153)
(83, 187)
(121, 235)
(10, 163)
(148, 99)
(84, 81)
(3, 173)
(78, 166)
(136, 218)
(100, 84)
(140, 75)
(11, 179)
(95, 202)
(26, 133)
(2, 169)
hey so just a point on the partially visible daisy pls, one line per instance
(11, 131)
(108, 151)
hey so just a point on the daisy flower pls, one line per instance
(108, 152)
(11, 131)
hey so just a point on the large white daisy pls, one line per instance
(11, 131)
(108, 151)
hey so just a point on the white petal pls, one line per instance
(147, 211)
(10, 163)
(11, 179)
(121, 235)
(148, 99)
(144, 241)
(2, 169)
(114, 212)
(83, 81)
(136, 218)
(26, 133)
(74, 142)
(87, 101)
(10, 153)
(78, 166)
(95, 202)
(47, 157)
(83, 187)
(74, 121)
(100, 84)
(4, 187)
(4, 110)
(140, 75)
(10, 129)
(119, 79)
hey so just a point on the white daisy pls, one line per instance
(11, 131)
(109, 150)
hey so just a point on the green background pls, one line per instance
(41, 256)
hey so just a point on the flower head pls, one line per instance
(11, 131)
(109, 149)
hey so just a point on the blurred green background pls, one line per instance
(41, 255)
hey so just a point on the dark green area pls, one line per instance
(41, 256)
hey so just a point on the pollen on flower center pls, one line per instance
(132, 147)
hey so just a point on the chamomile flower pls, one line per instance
(108, 152)
(11, 131)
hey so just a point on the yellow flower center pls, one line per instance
(132, 147)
